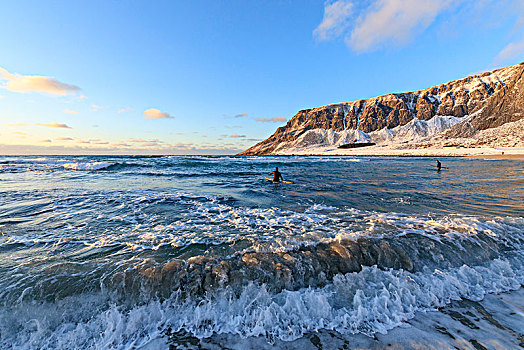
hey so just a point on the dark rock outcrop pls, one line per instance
(491, 99)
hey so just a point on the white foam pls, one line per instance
(368, 302)
(89, 166)
(209, 220)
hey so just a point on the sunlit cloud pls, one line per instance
(17, 124)
(381, 22)
(123, 110)
(154, 113)
(45, 141)
(272, 120)
(19, 133)
(156, 141)
(55, 125)
(35, 83)
(70, 111)
(336, 20)
(237, 136)
(515, 49)
(511, 51)
(241, 115)
(96, 108)
(64, 139)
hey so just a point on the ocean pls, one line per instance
(190, 252)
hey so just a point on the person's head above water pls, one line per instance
(276, 168)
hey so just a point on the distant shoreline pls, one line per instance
(380, 151)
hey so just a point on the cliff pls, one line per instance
(459, 108)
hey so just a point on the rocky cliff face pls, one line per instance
(488, 100)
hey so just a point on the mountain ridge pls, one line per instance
(470, 104)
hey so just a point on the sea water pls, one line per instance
(131, 252)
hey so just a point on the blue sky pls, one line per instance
(216, 76)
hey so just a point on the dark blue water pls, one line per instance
(144, 246)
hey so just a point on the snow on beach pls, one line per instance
(417, 138)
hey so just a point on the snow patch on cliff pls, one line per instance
(321, 140)
(415, 130)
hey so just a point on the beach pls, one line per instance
(395, 151)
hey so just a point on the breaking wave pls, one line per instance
(117, 257)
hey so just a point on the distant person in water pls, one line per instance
(277, 176)
(438, 165)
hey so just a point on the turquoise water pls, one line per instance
(120, 251)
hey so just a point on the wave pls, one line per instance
(368, 302)
(88, 166)
(124, 268)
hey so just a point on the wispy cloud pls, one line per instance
(35, 83)
(514, 49)
(142, 142)
(96, 108)
(511, 51)
(64, 139)
(123, 110)
(17, 124)
(237, 136)
(154, 113)
(272, 120)
(70, 111)
(336, 20)
(241, 115)
(380, 23)
(55, 125)
(103, 147)
(395, 21)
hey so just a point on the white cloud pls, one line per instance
(336, 20)
(123, 110)
(154, 113)
(511, 51)
(55, 125)
(515, 49)
(96, 108)
(272, 120)
(70, 111)
(35, 83)
(382, 22)
(394, 21)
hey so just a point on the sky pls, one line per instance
(215, 77)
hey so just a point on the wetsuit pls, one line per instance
(438, 165)
(277, 176)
